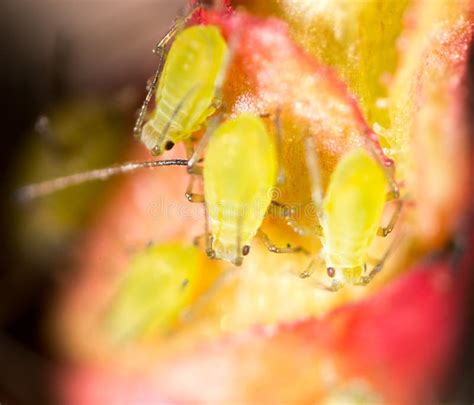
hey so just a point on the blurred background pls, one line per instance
(78, 68)
(69, 70)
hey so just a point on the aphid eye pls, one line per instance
(331, 271)
(246, 250)
(169, 145)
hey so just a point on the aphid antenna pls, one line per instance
(33, 191)
(160, 51)
(314, 171)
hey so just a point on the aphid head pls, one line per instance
(331, 272)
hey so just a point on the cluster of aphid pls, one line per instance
(241, 164)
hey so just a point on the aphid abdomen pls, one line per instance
(187, 86)
(239, 173)
(152, 296)
(352, 209)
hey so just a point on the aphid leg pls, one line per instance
(317, 283)
(193, 197)
(195, 171)
(206, 236)
(190, 195)
(386, 230)
(378, 267)
(275, 249)
(211, 254)
(160, 51)
(48, 187)
(287, 213)
(336, 284)
(366, 279)
(393, 194)
(311, 268)
(308, 272)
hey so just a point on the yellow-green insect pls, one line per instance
(240, 173)
(155, 276)
(159, 285)
(189, 86)
(350, 215)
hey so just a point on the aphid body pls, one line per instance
(187, 87)
(351, 214)
(240, 171)
(160, 283)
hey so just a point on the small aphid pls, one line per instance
(240, 172)
(350, 215)
(159, 286)
(188, 88)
